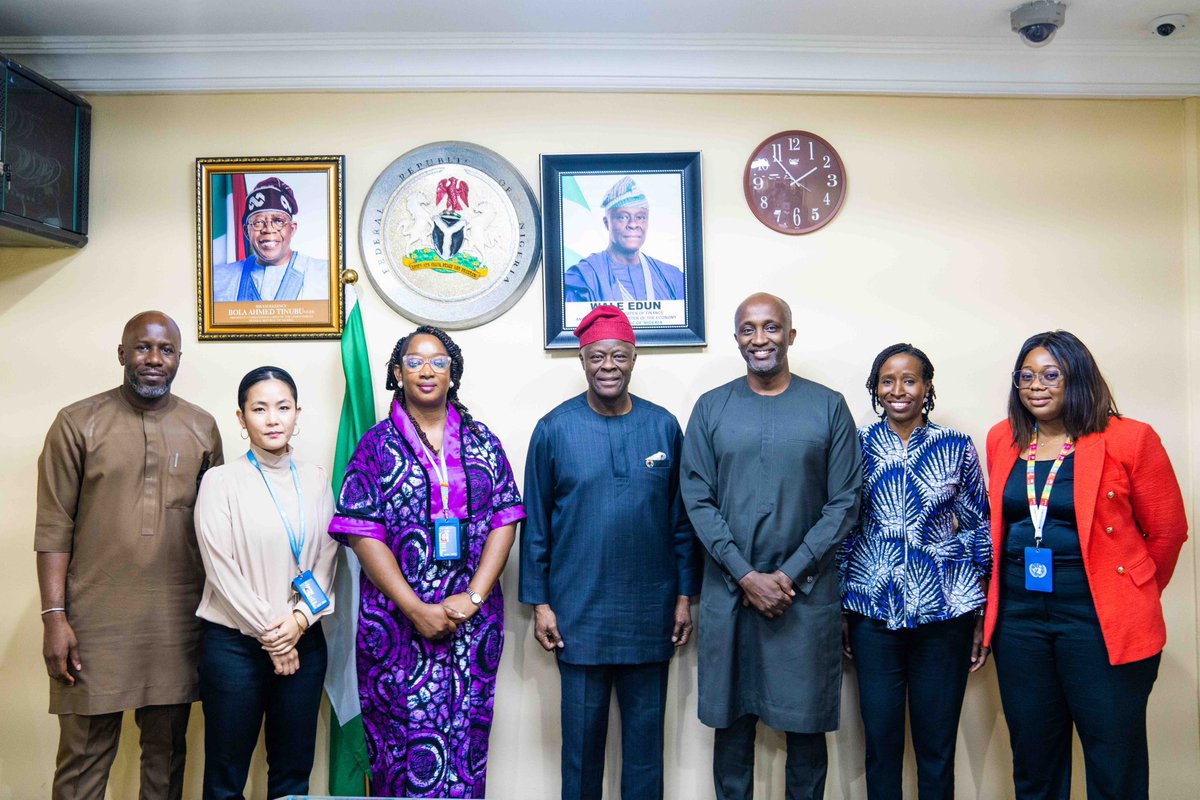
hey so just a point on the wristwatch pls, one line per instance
(476, 598)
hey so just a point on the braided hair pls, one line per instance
(456, 372)
(902, 348)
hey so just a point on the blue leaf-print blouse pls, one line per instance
(922, 541)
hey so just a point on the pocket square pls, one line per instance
(660, 456)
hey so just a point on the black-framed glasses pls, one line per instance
(1051, 378)
(274, 224)
(414, 363)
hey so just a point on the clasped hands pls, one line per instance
(439, 620)
(770, 593)
(280, 640)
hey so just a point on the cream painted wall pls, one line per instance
(969, 225)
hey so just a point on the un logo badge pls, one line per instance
(1037, 570)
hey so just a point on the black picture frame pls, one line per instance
(573, 215)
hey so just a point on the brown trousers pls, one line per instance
(87, 746)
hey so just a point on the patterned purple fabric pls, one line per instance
(427, 706)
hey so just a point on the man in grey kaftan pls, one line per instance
(770, 477)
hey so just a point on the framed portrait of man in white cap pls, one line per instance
(624, 230)
(270, 247)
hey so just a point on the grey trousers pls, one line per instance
(87, 746)
(733, 762)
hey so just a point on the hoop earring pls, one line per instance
(296, 431)
(245, 433)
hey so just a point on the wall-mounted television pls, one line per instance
(45, 148)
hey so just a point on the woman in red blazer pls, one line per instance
(1074, 614)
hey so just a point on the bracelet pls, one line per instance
(303, 626)
(49, 610)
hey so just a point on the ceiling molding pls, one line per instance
(644, 63)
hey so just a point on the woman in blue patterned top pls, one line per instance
(913, 578)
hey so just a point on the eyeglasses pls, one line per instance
(414, 363)
(274, 223)
(1050, 378)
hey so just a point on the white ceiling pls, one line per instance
(891, 46)
(1124, 20)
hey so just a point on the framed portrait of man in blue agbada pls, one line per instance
(269, 247)
(624, 229)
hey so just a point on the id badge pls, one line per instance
(446, 532)
(1039, 570)
(311, 591)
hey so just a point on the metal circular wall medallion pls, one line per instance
(451, 235)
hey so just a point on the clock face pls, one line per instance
(795, 182)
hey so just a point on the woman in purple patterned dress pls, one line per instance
(430, 506)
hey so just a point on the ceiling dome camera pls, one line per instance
(1037, 22)
(1168, 25)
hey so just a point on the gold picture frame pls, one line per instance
(281, 280)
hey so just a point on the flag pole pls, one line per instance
(349, 765)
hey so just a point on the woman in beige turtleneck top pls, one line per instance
(260, 522)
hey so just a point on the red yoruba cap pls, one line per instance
(605, 322)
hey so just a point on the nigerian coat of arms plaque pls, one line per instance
(451, 235)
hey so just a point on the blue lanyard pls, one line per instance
(297, 543)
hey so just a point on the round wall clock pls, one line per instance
(451, 235)
(795, 182)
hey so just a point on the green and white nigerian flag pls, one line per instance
(577, 215)
(349, 767)
(225, 229)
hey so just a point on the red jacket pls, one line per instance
(1131, 526)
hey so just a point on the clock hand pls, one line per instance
(796, 181)
(785, 171)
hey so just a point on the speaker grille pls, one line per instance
(82, 167)
(3, 94)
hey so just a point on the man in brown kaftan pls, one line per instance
(118, 568)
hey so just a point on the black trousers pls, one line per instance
(733, 762)
(238, 687)
(926, 669)
(642, 698)
(1053, 672)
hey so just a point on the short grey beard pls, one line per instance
(147, 392)
(774, 369)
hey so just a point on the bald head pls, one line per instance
(151, 317)
(149, 351)
(763, 330)
(779, 309)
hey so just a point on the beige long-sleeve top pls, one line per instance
(248, 561)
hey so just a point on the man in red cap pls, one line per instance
(609, 561)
